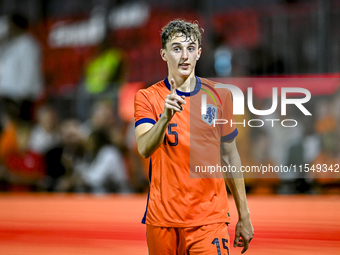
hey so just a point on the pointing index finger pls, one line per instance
(173, 87)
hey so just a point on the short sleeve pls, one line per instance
(143, 109)
(229, 130)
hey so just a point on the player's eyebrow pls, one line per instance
(192, 43)
(177, 43)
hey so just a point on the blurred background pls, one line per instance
(69, 70)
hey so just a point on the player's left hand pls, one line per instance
(244, 232)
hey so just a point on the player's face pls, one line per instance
(181, 56)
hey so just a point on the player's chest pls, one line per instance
(190, 124)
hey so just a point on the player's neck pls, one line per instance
(184, 84)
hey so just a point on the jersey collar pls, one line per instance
(186, 94)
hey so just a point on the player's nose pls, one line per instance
(185, 54)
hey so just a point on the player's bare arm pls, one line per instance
(244, 229)
(149, 137)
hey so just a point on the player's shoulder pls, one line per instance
(211, 85)
(206, 81)
(153, 90)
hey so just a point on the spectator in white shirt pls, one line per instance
(20, 67)
(106, 172)
(45, 134)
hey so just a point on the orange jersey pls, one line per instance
(176, 199)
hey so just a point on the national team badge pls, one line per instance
(210, 115)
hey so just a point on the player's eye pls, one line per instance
(191, 48)
(176, 49)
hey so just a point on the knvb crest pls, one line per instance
(210, 115)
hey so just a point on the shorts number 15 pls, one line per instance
(218, 247)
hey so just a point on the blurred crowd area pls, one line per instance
(69, 70)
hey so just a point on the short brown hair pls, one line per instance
(190, 30)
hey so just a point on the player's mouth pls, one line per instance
(184, 65)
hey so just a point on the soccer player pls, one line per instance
(187, 215)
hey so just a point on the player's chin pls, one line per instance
(185, 73)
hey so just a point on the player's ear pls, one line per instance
(163, 55)
(199, 53)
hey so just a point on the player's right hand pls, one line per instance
(173, 102)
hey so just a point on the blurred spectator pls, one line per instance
(45, 134)
(282, 139)
(138, 167)
(61, 159)
(122, 136)
(230, 60)
(327, 179)
(102, 117)
(23, 169)
(102, 78)
(8, 141)
(20, 71)
(305, 152)
(260, 183)
(311, 142)
(325, 121)
(223, 61)
(106, 171)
